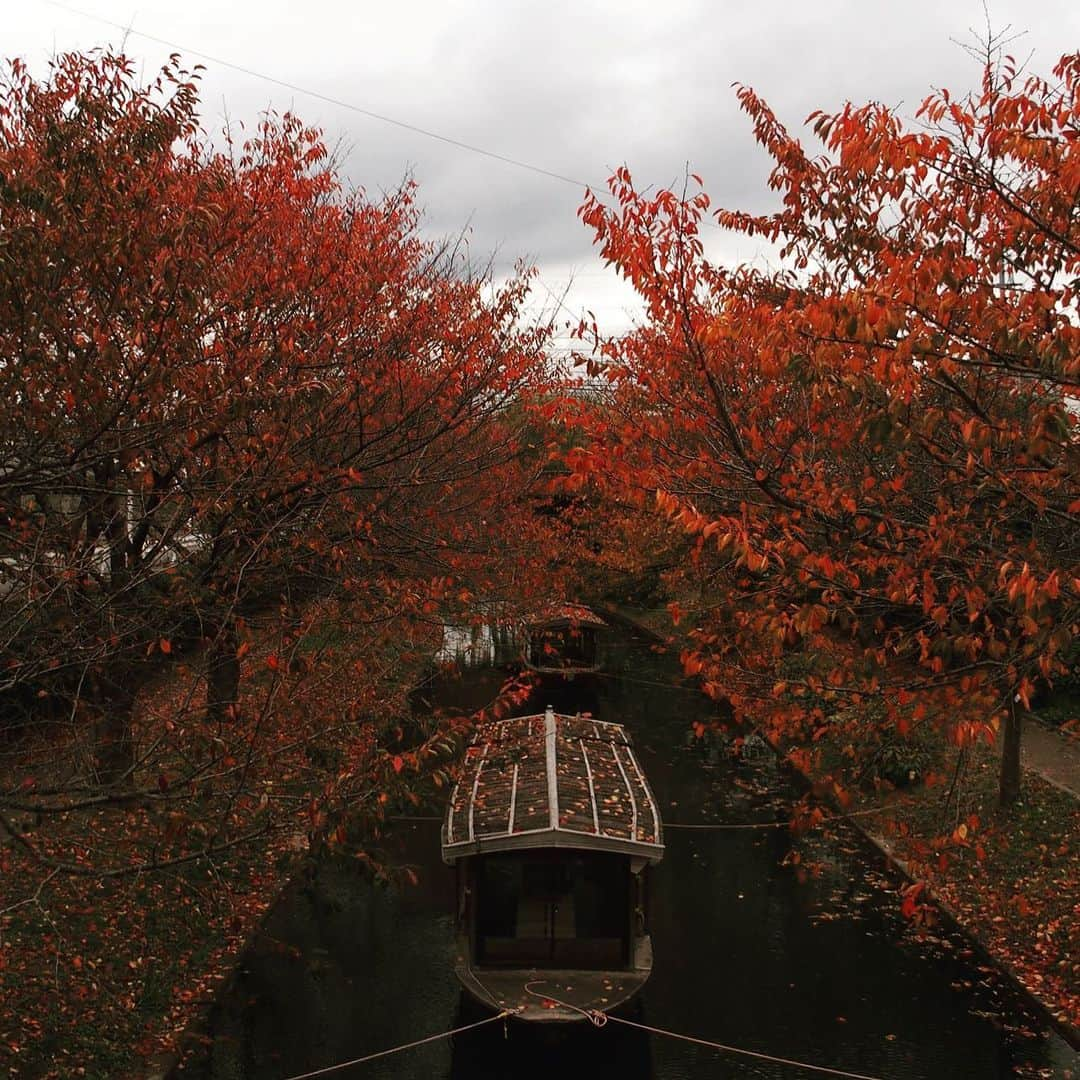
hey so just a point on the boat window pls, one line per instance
(553, 909)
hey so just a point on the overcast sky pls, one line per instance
(573, 88)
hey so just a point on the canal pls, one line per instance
(750, 951)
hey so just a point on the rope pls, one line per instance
(667, 824)
(714, 825)
(771, 824)
(397, 1049)
(745, 1053)
(598, 1018)
(595, 1016)
(493, 1001)
(720, 826)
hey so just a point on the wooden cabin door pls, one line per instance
(553, 909)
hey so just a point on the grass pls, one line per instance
(100, 977)
(1062, 710)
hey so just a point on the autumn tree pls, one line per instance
(874, 447)
(239, 402)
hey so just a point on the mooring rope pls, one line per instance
(720, 826)
(598, 1018)
(715, 826)
(738, 1050)
(666, 824)
(397, 1049)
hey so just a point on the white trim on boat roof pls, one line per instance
(546, 769)
(532, 839)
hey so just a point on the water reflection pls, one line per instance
(822, 971)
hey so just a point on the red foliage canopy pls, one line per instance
(231, 393)
(873, 449)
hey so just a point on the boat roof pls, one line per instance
(552, 781)
(554, 616)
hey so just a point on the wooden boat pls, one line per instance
(551, 828)
(562, 640)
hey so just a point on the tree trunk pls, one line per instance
(114, 744)
(222, 676)
(1009, 782)
(116, 536)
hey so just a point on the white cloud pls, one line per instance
(577, 88)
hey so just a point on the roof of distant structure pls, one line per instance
(552, 781)
(558, 615)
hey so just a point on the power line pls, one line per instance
(296, 88)
(320, 96)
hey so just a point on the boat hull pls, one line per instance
(547, 995)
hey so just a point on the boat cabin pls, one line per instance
(564, 640)
(551, 828)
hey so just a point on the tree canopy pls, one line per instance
(873, 448)
(234, 394)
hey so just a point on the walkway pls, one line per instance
(1052, 754)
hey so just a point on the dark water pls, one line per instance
(748, 952)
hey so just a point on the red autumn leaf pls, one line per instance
(911, 900)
